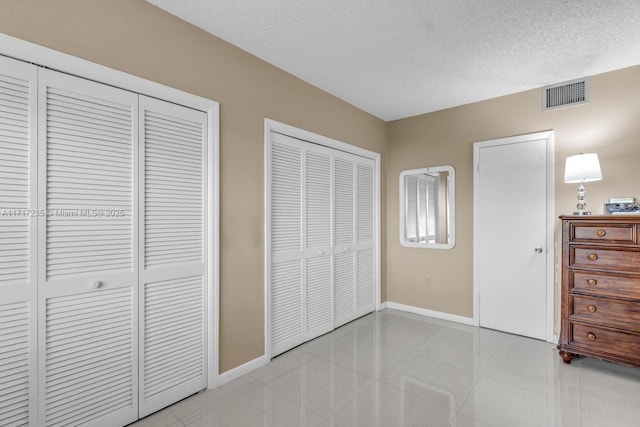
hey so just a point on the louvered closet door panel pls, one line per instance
(365, 236)
(89, 352)
(173, 206)
(365, 201)
(286, 195)
(366, 280)
(286, 306)
(345, 293)
(286, 297)
(344, 235)
(318, 297)
(18, 221)
(87, 252)
(318, 240)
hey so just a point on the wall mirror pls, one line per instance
(427, 208)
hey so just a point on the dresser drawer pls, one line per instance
(602, 284)
(620, 314)
(612, 233)
(603, 340)
(620, 259)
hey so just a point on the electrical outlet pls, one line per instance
(427, 281)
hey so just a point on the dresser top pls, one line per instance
(614, 218)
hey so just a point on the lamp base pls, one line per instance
(582, 213)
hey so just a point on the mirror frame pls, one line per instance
(451, 241)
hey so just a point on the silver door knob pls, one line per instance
(538, 250)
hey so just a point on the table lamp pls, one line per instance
(582, 168)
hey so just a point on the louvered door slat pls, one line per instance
(173, 203)
(18, 243)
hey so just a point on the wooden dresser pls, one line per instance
(601, 288)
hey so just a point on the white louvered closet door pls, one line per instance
(317, 238)
(365, 237)
(18, 243)
(173, 274)
(345, 237)
(87, 253)
(322, 258)
(285, 298)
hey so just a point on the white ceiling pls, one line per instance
(400, 58)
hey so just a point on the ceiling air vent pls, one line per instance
(565, 94)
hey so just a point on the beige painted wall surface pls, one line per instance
(608, 125)
(138, 38)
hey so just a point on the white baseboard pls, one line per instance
(429, 313)
(241, 370)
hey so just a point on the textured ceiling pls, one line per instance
(400, 58)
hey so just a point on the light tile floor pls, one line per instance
(397, 369)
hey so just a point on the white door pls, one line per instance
(88, 268)
(173, 274)
(301, 283)
(73, 232)
(510, 237)
(344, 195)
(354, 234)
(318, 242)
(285, 291)
(322, 258)
(365, 237)
(18, 243)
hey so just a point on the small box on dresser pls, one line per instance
(600, 305)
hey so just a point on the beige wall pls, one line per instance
(609, 125)
(136, 37)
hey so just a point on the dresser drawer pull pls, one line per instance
(601, 233)
(593, 257)
(592, 282)
(591, 308)
(591, 336)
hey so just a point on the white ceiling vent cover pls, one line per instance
(565, 94)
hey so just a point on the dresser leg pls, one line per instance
(566, 357)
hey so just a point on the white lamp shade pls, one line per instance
(582, 167)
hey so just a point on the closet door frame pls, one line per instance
(288, 130)
(40, 55)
